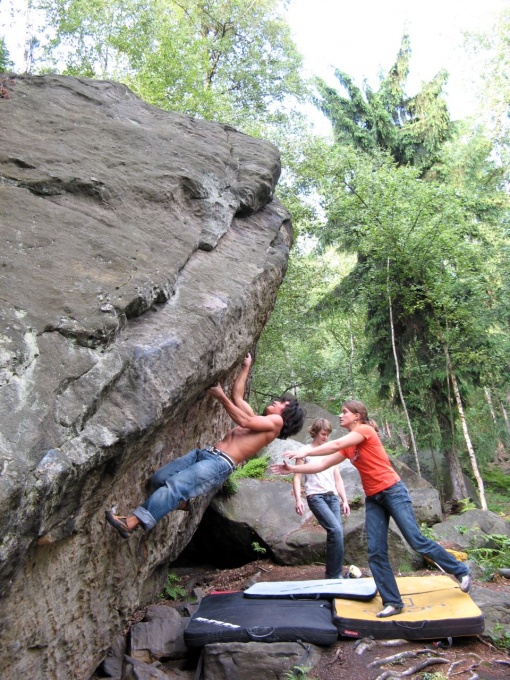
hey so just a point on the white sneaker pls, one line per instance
(465, 583)
(390, 610)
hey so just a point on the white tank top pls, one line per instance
(320, 482)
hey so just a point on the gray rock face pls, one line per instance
(496, 610)
(471, 528)
(141, 256)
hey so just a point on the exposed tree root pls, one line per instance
(411, 671)
(399, 657)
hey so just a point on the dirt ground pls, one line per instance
(469, 658)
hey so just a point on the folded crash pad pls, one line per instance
(231, 617)
(326, 588)
(435, 607)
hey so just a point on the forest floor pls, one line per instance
(468, 658)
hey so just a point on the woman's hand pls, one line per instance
(281, 469)
(300, 506)
(292, 455)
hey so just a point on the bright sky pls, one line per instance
(361, 37)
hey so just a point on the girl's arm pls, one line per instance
(351, 439)
(307, 468)
(296, 487)
(340, 487)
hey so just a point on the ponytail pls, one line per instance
(359, 407)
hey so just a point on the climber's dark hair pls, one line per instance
(293, 418)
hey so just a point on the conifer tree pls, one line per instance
(411, 129)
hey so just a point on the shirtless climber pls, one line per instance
(203, 469)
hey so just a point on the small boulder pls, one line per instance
(249, 660)
(159, 635)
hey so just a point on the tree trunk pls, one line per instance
(351, 362)
(397, 374)
(505, 416)
(459, 489)
(465, 430)
(447, 429)
(489, 401)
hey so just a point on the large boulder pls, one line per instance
(142, 253)
(260, 516)
(471, 529)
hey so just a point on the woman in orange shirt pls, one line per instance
(386, 497)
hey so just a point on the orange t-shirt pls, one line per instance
(371, 461)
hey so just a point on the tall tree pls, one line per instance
(493, 60)
(5, 61)
(439, 281)
(411, 128)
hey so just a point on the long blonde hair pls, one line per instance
(359, 407)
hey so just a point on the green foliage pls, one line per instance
(427, 531)
(255, 468)
(256, 547)
(229, 487)
(497, 487)
(298, 673)
(422, 246)
(412, 129)
(5, 61)
(308, 348)
(466, 504)
(494, 555)
(496, 479)
(491, 54)
(356, 501)
(500, 637)
(459, 528)
(173, 590)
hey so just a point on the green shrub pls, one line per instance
(466, 504)
(298, 673)
(229, 487)
(173, 590)
(256, 547)
(427, 531)
(500, 637)
(356, 502)
(494, 555)
(252, 469)
(496, 480)
(461, 529)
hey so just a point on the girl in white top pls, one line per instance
(323, 490)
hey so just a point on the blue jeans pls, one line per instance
(395, 502)
(326, 507)
(196, 473)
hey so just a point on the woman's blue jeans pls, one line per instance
(198, 472)
(326, 507)
(395, 502)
